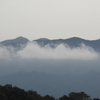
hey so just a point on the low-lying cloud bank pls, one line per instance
(60, 60)
(34, 51)
(62, 66)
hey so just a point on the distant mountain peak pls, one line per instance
(14, 42)
(71, 42)
(20, 38)
(76, 38)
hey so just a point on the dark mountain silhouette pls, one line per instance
(15, 42)
(71, 42)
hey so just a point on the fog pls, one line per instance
(61, 51)
(59, 60)
(54, 71)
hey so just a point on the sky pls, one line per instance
(52, 19)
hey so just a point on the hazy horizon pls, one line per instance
(48, 70)
(49, 38)
(50, 19)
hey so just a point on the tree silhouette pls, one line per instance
(79, 96)
(8, 92)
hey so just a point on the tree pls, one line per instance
(64, 97)
(47, 97)
(96, 99)
(79, 96)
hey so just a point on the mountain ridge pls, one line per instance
(14, 42)
(71, 42)
(21, 37)
(52, 83)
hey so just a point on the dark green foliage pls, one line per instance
(96, 99)
(75, 96)
(47, 97)
(65, 97)
(33, 95)
(8, 92)
(79, 96)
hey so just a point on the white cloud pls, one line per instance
(6, 52)
(34, 51)
(59, 60)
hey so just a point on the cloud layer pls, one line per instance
(60, 60)
(34, 51)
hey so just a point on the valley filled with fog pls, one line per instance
(50, 70)
(59, 60)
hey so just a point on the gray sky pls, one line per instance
(50, 19)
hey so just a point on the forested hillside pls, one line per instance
(8, 92)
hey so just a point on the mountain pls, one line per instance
(58, 77)
(55, 85)
(15, 42)
(71, 42)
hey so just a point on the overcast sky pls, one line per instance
(51, 19)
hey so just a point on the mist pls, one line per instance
(61, 51)
(54, 71)
(59, 60)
